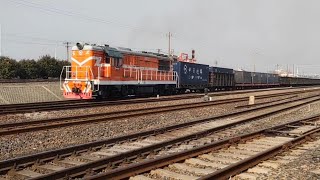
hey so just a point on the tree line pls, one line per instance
(43, 68)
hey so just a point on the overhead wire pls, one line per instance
(32, 38)
(32, 42)
(54, 10)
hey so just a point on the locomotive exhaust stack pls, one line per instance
(193, 54)
(80, 45)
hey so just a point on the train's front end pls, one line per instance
(77, 80)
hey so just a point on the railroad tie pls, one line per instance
(166, 174)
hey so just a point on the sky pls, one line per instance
(246, 34)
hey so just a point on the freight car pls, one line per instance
(246, 79)
(220, 79)
(298, 81)
(191, 76)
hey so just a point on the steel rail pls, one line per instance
(236, 168)
(105, 162)
(36, 125)
(225, 173)
(76, 104)
(3, 106)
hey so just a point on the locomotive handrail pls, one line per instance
(88, 73)
(61, 88)
(69, 75)
(142, 75)
(177, 79)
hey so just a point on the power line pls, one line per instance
(55, 43)
(32, 38)
(63, 43)
(29, 42)
(54, 10)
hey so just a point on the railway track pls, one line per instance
(261, 103)
(36, 125)
(222, 159)
(76, 104)
(271, 166)
(111, 154)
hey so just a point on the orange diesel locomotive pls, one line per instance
(103, 71)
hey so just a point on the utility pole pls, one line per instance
(67, 46)
(255, 55)
(169, 50)
(293, 70)
(216, 63)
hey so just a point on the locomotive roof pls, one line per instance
(118, 52)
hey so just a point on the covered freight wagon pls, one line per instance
(191, 75)
(242, 78)
(273, 79)
(221, 78)
(255, 79)
(298, 81)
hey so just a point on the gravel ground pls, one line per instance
(32, 142)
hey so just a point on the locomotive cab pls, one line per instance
(85, 63)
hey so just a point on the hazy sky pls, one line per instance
(236, 33)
